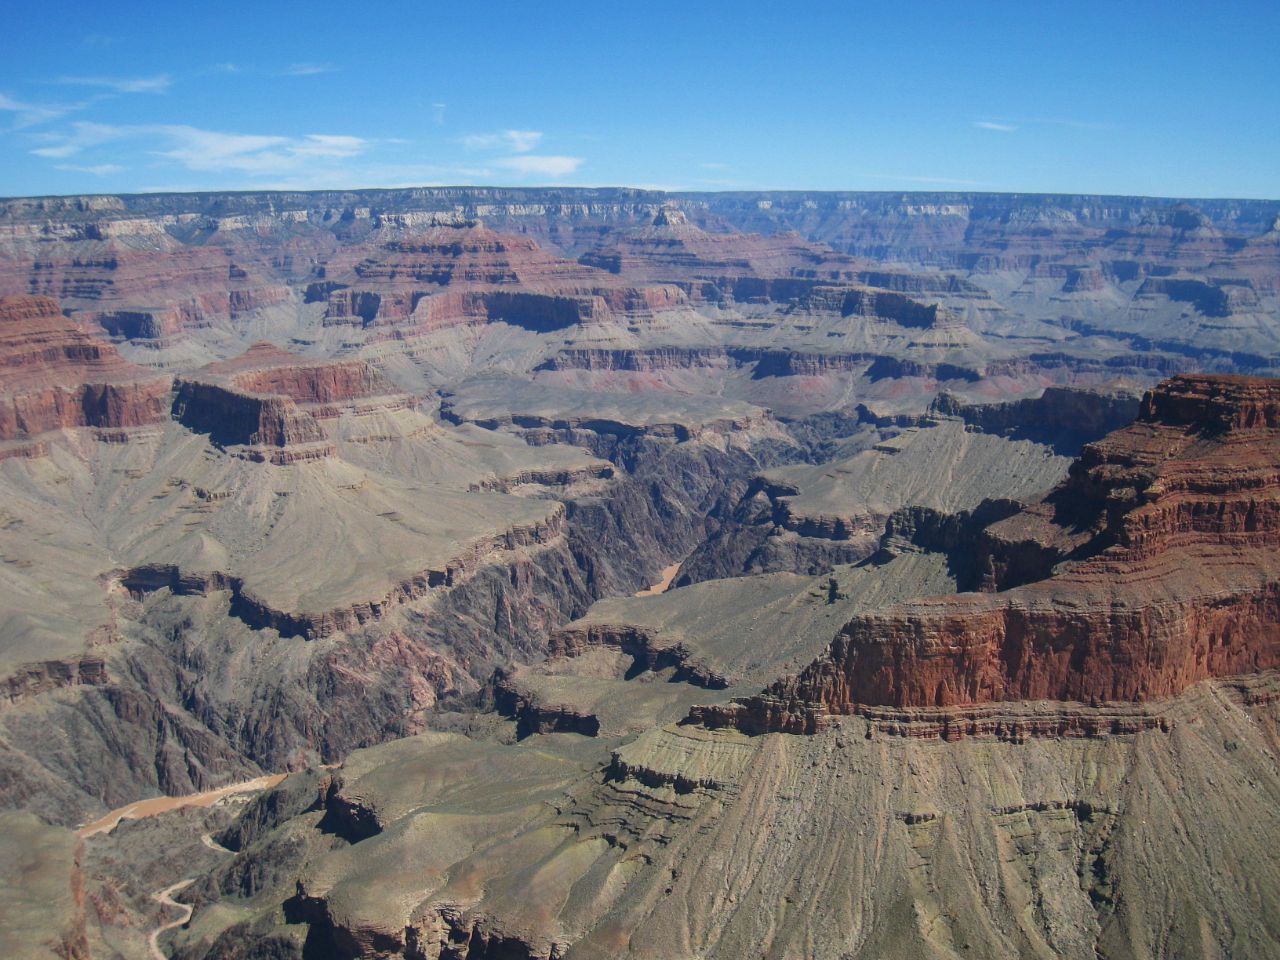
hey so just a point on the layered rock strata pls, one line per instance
(1159, 551)
(56, 374)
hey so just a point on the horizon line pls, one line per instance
(641, 190)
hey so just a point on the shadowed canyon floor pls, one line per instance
(600, 573)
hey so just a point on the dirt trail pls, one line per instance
(668, 575)
(155, 805)
(165, 897)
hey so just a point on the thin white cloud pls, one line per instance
(517, 141)
(712, 165)
(157, 84)
(306, 69)
(1010, 124)
(437, 113)
(33, 114)
(541, 166)
(329, 145)
(97, 169)
(83, 136)
(212, 150)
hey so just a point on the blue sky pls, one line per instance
(1176, 99)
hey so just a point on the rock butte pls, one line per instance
(57, 374)
(1156, 567)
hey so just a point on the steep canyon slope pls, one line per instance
(369, 479)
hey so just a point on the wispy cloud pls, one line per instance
(517, 141)
(211, 150)
(541, 166)
(437, 113)
(306, 69)
(97, 169)
(714, 165)
(83, 136)
(995, 125)
(1010, 124)
(27, 114)
(157, 84)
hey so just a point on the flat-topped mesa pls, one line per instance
(269, 428)
(267, 400)
(671, 249)
(1155, 566)
(324, 387)
(885, 305)
(449, 276)
(1214, 403)
(1200, 465)
(56, 374)
(471, 255)
(1058, 416)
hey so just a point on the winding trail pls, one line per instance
(165, 897)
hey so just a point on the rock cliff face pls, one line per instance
(1058, 416)
(233, 418)
(264, 368)
(56, 374)
(1161, 553)
(38, 678)
(427, 445)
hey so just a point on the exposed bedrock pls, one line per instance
(211, 686)
(540, 312)
(809, 520)
(755, 538)
(56, 374)
(647, 652)
(532, 716)
(1172, 524)
(33, 679)
(1210, 299)
(264, 369)
(315, 624)
(232, 418)
(1064, 417)
(677, 494)
(105, 405)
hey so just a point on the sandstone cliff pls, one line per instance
(57, 374)
(1159, 557)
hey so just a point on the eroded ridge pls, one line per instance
(1154, 567)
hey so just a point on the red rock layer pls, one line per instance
(462, 275)
(56, 374)
(671, 249)
(235, 418)
(266, 369)
(1163, 570)
(138, 280)
(470, 255)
